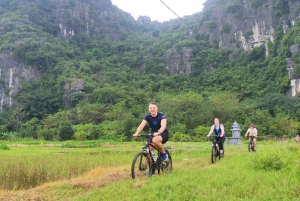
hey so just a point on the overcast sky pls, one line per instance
(156, 10)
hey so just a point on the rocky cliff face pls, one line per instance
(233, 24)
(12, 74)
(294, 80)
(244, 23)
(60, 18)
(178, 62)
(95, 18)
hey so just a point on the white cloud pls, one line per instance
(156, 10)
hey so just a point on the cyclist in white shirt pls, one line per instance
(252, 132)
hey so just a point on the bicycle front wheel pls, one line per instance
(249, 146)
(213, 154)
(141, 165)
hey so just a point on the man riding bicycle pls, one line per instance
(158, 124)
(219, 134)
(252, 131)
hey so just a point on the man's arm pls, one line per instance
(140, 128)
(163, 126)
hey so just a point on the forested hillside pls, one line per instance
(99, 69)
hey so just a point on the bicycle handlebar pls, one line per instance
(147, 135)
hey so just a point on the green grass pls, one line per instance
(234, 178)
(271, 173)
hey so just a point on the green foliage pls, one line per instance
(226, 28)
(211, 25)
(65, 131)
(268, 162)
(4, 146)
(48, 134)
(81, 144)
(53, 121)
(180, 137)
(248, 34)
(37, 99)
(75, 96)
(256, 3)
(87, 131)
(232, 7)
(201, 133)
(296, 71)
(29, 129)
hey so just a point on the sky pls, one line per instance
(156, 10)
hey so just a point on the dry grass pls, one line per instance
(96, 178)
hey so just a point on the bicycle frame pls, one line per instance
(147, 150)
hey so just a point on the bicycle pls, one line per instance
(250, 144)
(144, 164)
(215, 152)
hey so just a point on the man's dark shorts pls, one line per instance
(165, 137)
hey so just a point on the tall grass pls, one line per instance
(24, 167)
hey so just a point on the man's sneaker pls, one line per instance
(164, 157)
(221, 154)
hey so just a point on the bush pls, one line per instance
(268, 162)
(4, 147)
(180, 137)
(47, 134)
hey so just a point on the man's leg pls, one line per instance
(157, 141)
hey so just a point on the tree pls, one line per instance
(29, 129)
(65, 131)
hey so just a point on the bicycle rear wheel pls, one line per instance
(141, 165)
(213, 154)
(167, 166)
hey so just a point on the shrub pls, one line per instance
(268, 162)
(180, 137)
(211, 25)
(4, 147)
